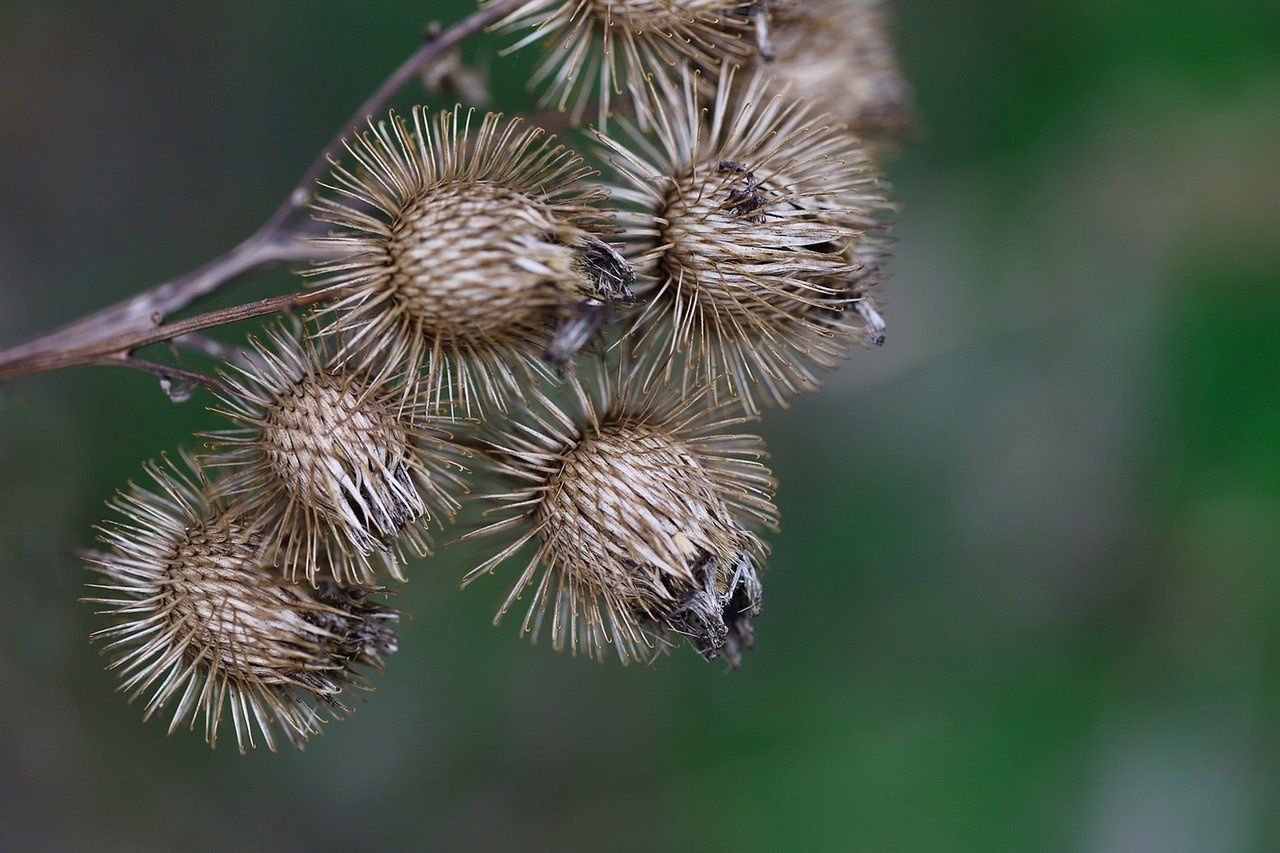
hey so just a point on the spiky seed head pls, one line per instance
(476, 254)
(604, 48)
(332, 464)
(840, 53)
(642, 510)
(756, 225)
(204, 620)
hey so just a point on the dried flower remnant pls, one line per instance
(204, 621)
(608, 47)
(756, 224)
(641, 510)
(473, 253)
(332, 464)
(839, 53)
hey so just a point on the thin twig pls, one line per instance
(120, 349)
(168, 373)
(112, 331)
(144, 310)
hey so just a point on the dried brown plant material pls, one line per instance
(332, 464)
(205, 621)
(605, 48)
(642, 511)
(757, 225)
(839, 53)
(473, 252)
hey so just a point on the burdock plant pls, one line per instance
(756, 222)
(204, 621)
(643, 510)
(474, 297)
(330, 463)
(474, 252)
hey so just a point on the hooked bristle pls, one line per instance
(757, 226)
(642, 512)
(467, 254)
(332, 464)
(205, 618)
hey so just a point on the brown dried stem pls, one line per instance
(110, 335)
(119, 348)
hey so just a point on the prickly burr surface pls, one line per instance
(474, 254)
(338, 469)
(204, 620)
(756, 223)
(642, 513)
(483, 260)
(635, 513)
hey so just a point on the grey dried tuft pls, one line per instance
(839, 53)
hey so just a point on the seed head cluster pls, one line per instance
(605, 48)
(642, 510)
(493, 311)
(755, 222)
(204, 621)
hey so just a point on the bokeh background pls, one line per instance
(1026, 593)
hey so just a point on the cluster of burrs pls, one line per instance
(487, 318)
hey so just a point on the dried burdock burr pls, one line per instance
(339, 469)
(607, 47)
(204, 621)
(641, 511)
(756, 223)
(839, 53)
(473, 252)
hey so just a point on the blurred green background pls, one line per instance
(1026, 593)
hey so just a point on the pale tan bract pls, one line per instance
(206, 621)
(604, 48)
(642, 511)
(336, 467)
(756, 224)
(474, 253)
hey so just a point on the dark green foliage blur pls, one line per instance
(1027, 592)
